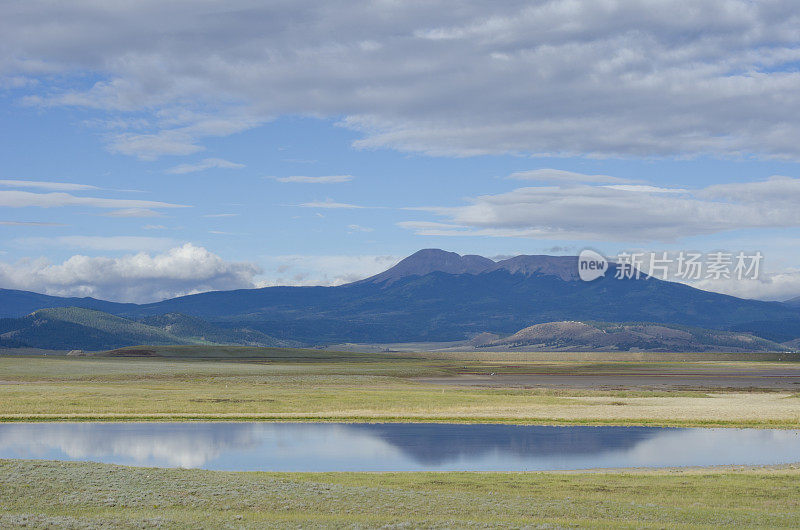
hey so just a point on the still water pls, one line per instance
(393, 447)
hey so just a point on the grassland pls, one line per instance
(288, 385)
(52, 494)
(324, 386)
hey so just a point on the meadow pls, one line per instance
(85, 495)
(310, 385)
(374, 388)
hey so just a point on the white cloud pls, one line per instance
(330, 179)
(133, 212)
(151, 146)
(133, 278)
(558, 175)
(778, 286)
(619, 212)
(597, 78)
(359, 228)
(21, 199)
(330, 204)
(323, 270)
(645, 189)
(206, 163)
(183, 140)
(29, 223)
(57, 186)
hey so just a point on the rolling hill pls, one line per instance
(73, 328)
(605, 336)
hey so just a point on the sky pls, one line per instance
(152, 149)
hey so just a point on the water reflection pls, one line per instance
(395, 447)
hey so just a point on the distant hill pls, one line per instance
(14, 303)
(778, 330)
(73, 328)
(434, 296)
(793, 302)
(299, 355)
(196, 329)
(604, 336)
(77, 328)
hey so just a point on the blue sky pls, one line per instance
(150, 151)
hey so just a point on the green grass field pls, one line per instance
(79, 495)
(323, 386)
(314, 385)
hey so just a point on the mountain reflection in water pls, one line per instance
(396, 447)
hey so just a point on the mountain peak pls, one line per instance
(430, 260)
(563, 267)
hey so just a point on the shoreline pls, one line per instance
(240, 418)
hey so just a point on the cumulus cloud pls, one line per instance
(589, 77)
(138, 277)
(206, 163)
(779, 286)
(619, 212)
(330, 179)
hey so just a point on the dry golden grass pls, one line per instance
(127, 389)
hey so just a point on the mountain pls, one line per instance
(778, 330)
(14, 303)
(605, 336)
(440, 296)
(793, 302)
(73, 328)
(442, 307)
(562, 267)
(431, 260)
(196, 329)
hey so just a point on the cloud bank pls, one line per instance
(619, 212)
(137, 278)
(588, 77)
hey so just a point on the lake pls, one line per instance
(394, 446)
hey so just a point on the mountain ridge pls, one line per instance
(429, 260)
(417, 303)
